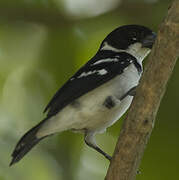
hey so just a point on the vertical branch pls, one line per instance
(140, 121)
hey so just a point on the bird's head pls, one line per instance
(134, 39)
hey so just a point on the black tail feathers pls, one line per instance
(25, 144)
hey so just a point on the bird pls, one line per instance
(98, 94)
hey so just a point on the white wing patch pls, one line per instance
(99, 72)
(84, 74)
(102, 72)
(106, 60)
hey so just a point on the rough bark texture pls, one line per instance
(139, 123)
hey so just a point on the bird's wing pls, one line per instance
(93, 74)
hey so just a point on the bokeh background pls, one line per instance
(42, 43)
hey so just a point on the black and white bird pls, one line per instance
(98, 94)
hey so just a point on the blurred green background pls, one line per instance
(42, 43)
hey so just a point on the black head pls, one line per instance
(124, 36)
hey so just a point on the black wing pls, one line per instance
(100, 69)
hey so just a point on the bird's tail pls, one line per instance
(26, 143)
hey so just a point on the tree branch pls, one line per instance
(140, 121)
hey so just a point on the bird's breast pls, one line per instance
(98, 109)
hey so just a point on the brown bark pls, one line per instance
(140, 121)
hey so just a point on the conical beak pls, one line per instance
(149, 41)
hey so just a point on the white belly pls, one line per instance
(98, 118)
(91, 114)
